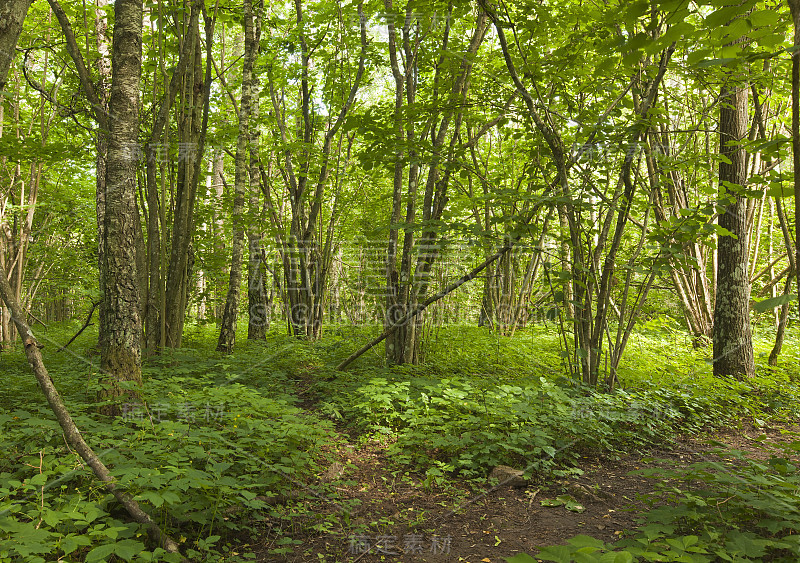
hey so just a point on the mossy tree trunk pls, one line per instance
(120, 358)
(733, 345)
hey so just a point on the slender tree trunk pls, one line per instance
(156, 289)
(227, 334)
(178, 271)
(794, 6)
(121, 353)
(781, 330)
(258, 316)
(733, 345)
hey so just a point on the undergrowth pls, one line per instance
(212, 444)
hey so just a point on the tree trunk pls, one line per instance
(12, 16)
(155, 335)
(227, 333)
(190, 131)
(258, 316)
(733, 345)
(781, 330)
(101, 147)
(794, 6)
(121, 353)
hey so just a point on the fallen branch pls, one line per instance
(71, 433)
(86, 324)
(422, 306)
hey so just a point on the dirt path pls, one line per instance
(393, 516)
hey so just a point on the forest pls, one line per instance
(399, 280)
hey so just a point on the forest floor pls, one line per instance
(408, 520)
(270, 454)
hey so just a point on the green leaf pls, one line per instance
(778, 189)
(764, 18)
(100, 553)
(72, 542)
(557, 553)
(153, 498)
(772, 302)
(520, 558)
(127, 549)
(37, 480)
(574, 506)
(586, 541)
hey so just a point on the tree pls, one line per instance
(227, 333)
(192, 132)
(306, 168)
(121, 348)
(12, 16)
(733, 343)
(794, 6)
(426, 131)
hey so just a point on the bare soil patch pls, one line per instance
(389, 515)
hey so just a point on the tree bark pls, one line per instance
(121, 351)
(156, 289)
(227, 333)
(733, 345)
(794, 6)
(190, 132)
(12, 16)
(258, 316)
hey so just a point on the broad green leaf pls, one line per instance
(557, 553)
(764, 18)
(772, 302)
(100, 553)
(586, 541)
(127, 549)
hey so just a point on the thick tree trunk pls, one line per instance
(733, 345)
(12, 16)
(227, 333)
(121, 352)
(103, 66)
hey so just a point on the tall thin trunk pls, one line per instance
(178, 271)
(794, 6)
(227, 333)
(258, 316)
(155, 315)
